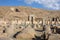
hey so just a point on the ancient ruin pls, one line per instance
(25, 23)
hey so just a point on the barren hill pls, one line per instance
(20, 12)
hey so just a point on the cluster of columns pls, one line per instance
(49, 24)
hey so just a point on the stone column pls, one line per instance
(47, 31)
(44, 21)
(31, 19)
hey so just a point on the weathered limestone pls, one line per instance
(27, 33)
(47, 31)
(10, 31)
(6, 38)
(54, 37)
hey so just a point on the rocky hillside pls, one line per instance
(20, 12)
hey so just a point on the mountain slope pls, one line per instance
(21, 13)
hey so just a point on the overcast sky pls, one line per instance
(45, 4)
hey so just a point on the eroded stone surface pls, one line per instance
(27, 33)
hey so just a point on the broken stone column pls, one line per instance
(35, 23)
(44, 21)
(47, 31)
(55, 28)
